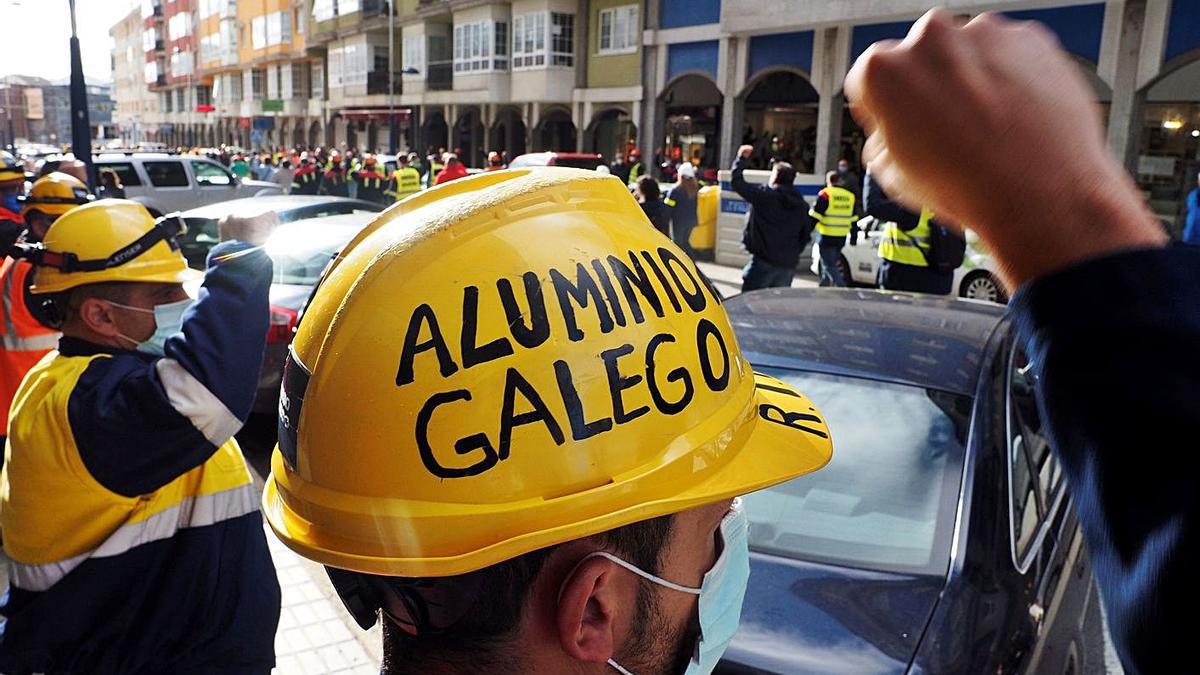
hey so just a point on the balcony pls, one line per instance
(377, 82)
(440, 76)
(372, 8)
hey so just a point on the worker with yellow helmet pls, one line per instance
(24, 339)
(516, 426)
(130, 521)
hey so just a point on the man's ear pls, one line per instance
(589, 609)
(97, 315)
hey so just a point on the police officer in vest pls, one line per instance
(833, 214)
(370, 183)
(404, 181)
(905, 247)
(25, 339)
(130, 520)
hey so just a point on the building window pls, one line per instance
(532, 33)
(619, 30)
(209, 7)
(167, 102)
(181, 100)
(179, 26)
(347, 7)
(272, 29)
(414, 53)
(300, 81)
(203, 95)
(151, 72)
(318, 80)
(181, 64)
(148, 40)
(475, 45)
(322, 10)
(529, 40)
(258, 81)
(562, 39)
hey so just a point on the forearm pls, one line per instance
(1118, 382)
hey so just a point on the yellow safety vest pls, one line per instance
(907, 248)
(404, 182)
(56, 515)
(839, 214)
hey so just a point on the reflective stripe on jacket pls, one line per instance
(839, 214)
(25, 341)
(907, 248)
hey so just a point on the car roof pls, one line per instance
(928, 341)
(311, 232)
(252, 206)
(341, 220)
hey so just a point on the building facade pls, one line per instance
(680, 79)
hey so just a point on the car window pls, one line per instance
(200, 237)
(208, 173)
(1036, 474)
(300, 259)
(888, 498)
(166, 174)
(125, 172)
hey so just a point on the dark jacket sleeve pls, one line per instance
(140, 422)
(751, 193)
(1113, 342)
(877, 203)
(822, 203)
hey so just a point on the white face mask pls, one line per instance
(721, 592)
(168, 320)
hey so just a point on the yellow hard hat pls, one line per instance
(10, 169)
(509, 362)
(55, 194)
(109, 240)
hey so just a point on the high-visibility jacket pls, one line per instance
(370, 185)
(333, 183)
(907, 248)
(25, 341)
(129, 516)
(434, 169)
(635, 172)
(403, 182)
(304, 181)
(839, 214)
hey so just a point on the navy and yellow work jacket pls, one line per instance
(129, 517)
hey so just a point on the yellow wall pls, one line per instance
(248, 10)
(620, 70)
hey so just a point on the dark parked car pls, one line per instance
(202, 235)
(573, 160)
(940, 539)
(300, 250)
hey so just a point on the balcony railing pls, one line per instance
(440, 77)
(377, 82)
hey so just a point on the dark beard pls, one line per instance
(650, 651)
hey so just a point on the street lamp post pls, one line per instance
(392, 131)
(81, 127)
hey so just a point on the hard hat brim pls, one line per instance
(65, 282)
(785, 437)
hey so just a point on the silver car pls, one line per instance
(164, 183)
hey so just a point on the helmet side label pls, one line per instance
(620, 379)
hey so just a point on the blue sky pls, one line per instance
(36, 34)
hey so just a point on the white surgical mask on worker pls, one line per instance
(168, 320)
(721, 592)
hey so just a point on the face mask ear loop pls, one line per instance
(642, 573)
(618, 667)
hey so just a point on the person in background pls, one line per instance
(905, 246)
(453, 170)
(369, 182)
(333, 181)
(434, 163)
(239, 167)
(1191, 226)
(649, 197)
(305, 179)
(619, 168)
(12, 188)
(833, 214)
(777, 224)
(636, 168)
(282, 175)
(110, 185)
(73, 167)
(603, 170)
(682, 201)
(404, 181)
(850, 181)
(495, 162)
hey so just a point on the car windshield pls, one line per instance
(301, 256)
(887, 499)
